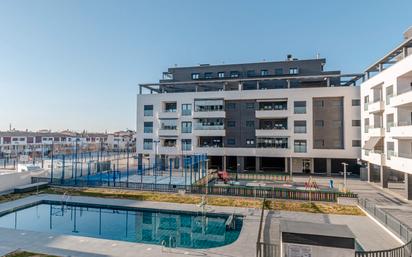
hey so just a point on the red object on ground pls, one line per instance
(223, 175)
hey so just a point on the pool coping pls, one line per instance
(243, 246)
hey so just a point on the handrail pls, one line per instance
(258, 249)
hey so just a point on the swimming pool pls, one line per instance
(175, 229)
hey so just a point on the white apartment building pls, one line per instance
(288, 116)
(387, 117)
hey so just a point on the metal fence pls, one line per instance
(273, 193)
(397, 227)
(264, 249)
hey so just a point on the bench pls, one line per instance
(30, 187)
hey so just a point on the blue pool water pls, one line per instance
(188, 230)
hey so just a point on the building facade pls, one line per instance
(289, 116)
(387, 117)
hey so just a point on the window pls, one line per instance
(186, 127)
(231, 141)
(221, 74)
(319, 123)
(250, 105)
(279, 71)
(208, 75)
(356, 123)
(300, 107)
(300, 146)
(148, 127)
(356, 143)
(169, 143)
(168, 124)
(319, 103)
(186, 144)
(250, 141)
(231, 124)
(319, 144)
(234, 74)
(264, 72)
(265, 142)
(148, 110)
(299, 126)
(251, 73)
(195, 76)
(186, 109)
(355, 102)
(293, 71)
(147, 144)
(250, 123)
(230, 106)
(170, 107)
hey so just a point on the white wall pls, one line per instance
(9, 181)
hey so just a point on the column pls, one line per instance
(408, 186)
(405, 52)
(288, 81)
(139, 162)
(328, 167)
(257, 85)
(240, 163)
(286, 165)
(224, 162)
(291, 165)
(257, 164)
(384, 176)
(369, 173)
(328, 82)
(240, 86)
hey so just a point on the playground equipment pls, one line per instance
(311, 184)
(224, 176)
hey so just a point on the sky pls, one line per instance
(76, 64)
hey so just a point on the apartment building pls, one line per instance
(387, 117)
(289, 116)
(14, 142)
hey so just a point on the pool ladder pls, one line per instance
(65, 199)
(172, 243)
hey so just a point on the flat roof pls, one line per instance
(309, 228)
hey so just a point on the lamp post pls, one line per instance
(344, 175)
(156, 142)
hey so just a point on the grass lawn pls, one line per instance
(298, 206)
(27, 254)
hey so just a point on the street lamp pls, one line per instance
(344, 175)
(156, 142)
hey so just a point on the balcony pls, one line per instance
(261, 114)
(209, 114)
(376, 132)
(374, 156)
(168, 132)
(402, 131)
(377, 106)
(168, 115)
(272, 132)
(403, 98)
(400, 161)
(209, 130)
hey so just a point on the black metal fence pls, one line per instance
(272, 193)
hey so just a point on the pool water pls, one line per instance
(187, 230)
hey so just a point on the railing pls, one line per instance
(264, 177)
(264, 249)
(210, 127)
(241, 191)
(400, 229)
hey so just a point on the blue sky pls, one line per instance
(75, 64)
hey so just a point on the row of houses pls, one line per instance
(14, 142)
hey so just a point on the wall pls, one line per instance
(9, 181)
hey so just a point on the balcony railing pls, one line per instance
(208, 127)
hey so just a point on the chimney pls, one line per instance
(408, 33)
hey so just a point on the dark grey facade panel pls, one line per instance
(240, 114)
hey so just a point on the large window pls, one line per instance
(148, 127)
(186, 109)
(230, 106)
(264, 72)
(319, 123)
(355, 102)
(195, 75)
(299, 107)
(356, 123)
(186, 127)
(208, 105)
(356, 143)
(221, 74)
(208, 75)
(267, 142)
(251, 73)
(168, 124)
(148, 110)
(299, 126)
(169, 143)
(170, 107)
(300, 146)
(231, 124)
(293, 71)
(147, 144)
(279, 71)
(231, 141)
(186, 144)
(234, 74)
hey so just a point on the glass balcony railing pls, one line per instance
(208, 127)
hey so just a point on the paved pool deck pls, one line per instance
(369, 234)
